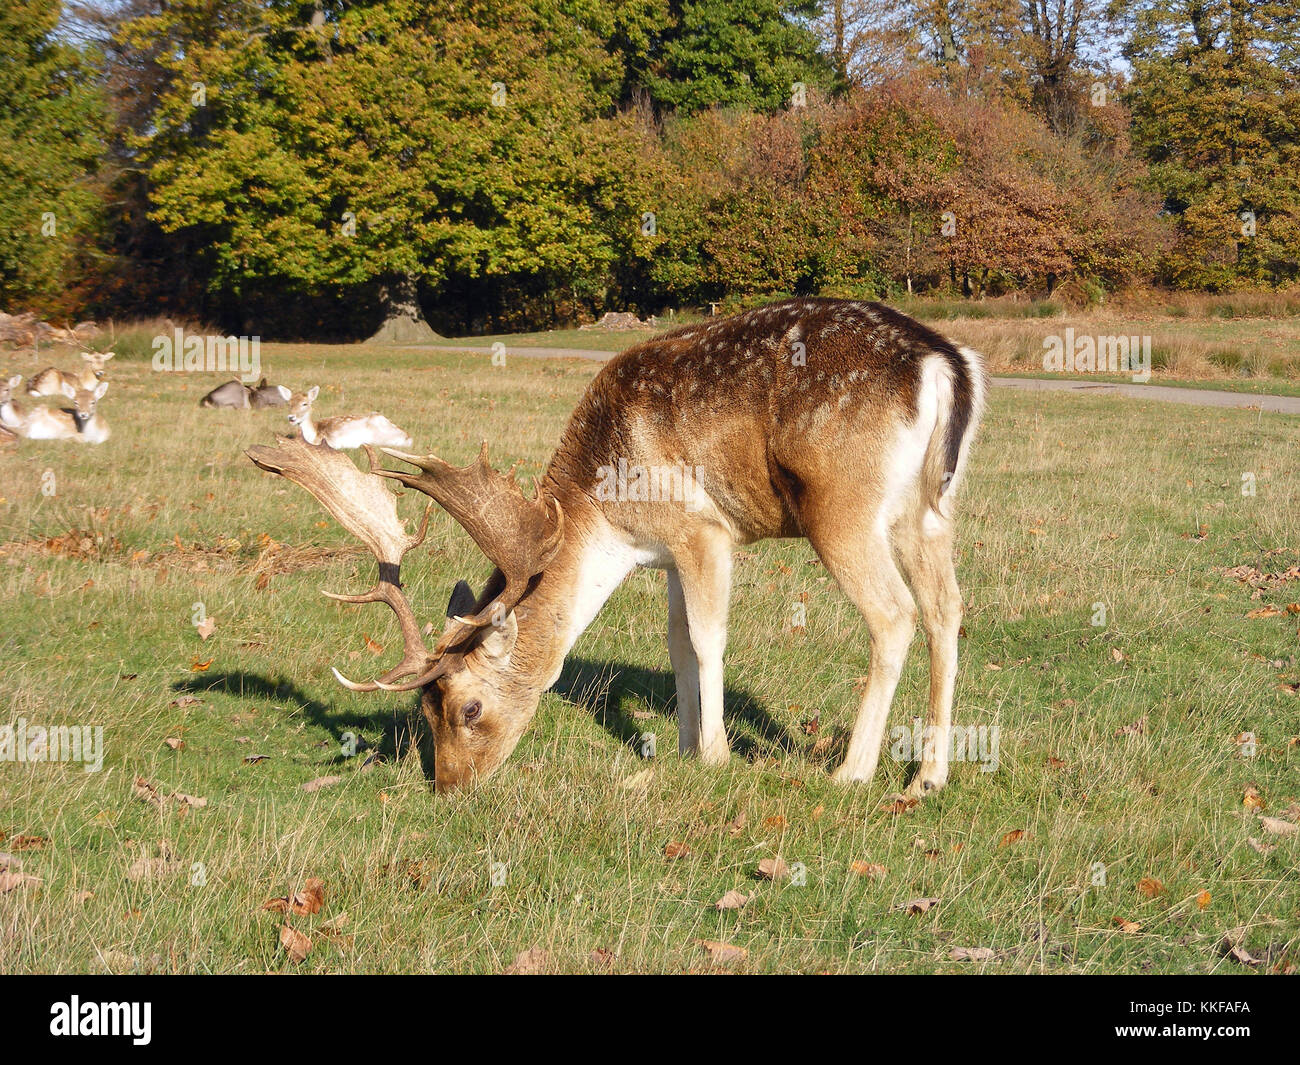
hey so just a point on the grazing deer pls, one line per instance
(52, 382)
(846, 423)
(346, 430)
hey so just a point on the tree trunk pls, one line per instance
(403, 321)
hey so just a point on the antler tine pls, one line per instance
(519, 536)
(365, 508)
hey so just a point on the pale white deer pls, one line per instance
(346, 430)
(846, 423)
(55, 382)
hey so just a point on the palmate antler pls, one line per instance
(519, 536)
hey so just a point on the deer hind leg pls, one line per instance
(924, 549)
(863, 566)
(686, 668)
(704, 572)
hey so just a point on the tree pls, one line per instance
(743, 53)
(52, 123)
(389, 146)
(1216, 104)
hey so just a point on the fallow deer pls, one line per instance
(237, 395)
(52, 382)
(81, 422)
(846, 423)
(346, 430)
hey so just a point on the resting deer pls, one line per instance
(346, 430)
(237, 395)
(81, 422)
(52, 382)
(846, 423)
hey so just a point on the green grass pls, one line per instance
(1073, 500)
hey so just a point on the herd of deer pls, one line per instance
(82, 422)
(843, 422)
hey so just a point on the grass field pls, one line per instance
(1123, 829)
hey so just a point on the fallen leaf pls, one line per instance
(1261, 848)
(10, 881)
(206, 627)
(912, 907)
(972, 954)
(146, 792)
(871, 869)
(319, 782)
(732, 900)
(201, 667)
(1278, 827)
(1055, 763)
(1014, 836)
(777, 822)
(773, 869)
(1128, 927)
(295, 943)
(723, 953)
(530, 962)
(184, 700)
(28, 843)
(1136, 729)
(1264, 612)
(1203, 900)
(602, 957)
(1150, 887)
(674, 851)
(304, 902)
(1252, 800)
(175, 743)
(371, 646)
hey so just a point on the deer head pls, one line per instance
(300, 406)
(476, 704)
(97, 361)
(84, 401)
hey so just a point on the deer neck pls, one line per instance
(309, 431)
(593, 561)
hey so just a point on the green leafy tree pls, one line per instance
(1215, 97)
(52, 123)
(745, 53)
(393, 145)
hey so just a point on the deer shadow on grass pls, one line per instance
(607, 690)
(395, 719)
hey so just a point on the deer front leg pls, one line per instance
(704, 572)
(686, 668)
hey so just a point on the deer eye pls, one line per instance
(472, 712)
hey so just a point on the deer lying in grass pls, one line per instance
(81, 422)
(346, 430)
(52, 382)
(239, 396)
(845, 423)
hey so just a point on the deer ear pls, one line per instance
(313, 393)
(16, 380)
(498, 641)
(68, 390)
(463, 600)
(284, 393)
(100, 389)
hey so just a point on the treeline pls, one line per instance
(294, 169)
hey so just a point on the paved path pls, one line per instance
(1199, 397)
